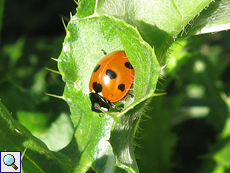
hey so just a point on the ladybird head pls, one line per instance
(98, 102)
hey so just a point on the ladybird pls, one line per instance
(111, 80)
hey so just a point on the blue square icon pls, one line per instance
(10, 161)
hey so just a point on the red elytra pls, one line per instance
(112, 77)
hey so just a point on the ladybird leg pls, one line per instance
(104, 51)
(107, 112)
(132, 95)
(114, 106)
(111, 104)
(99, 109)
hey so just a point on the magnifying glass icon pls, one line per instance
(9, 160)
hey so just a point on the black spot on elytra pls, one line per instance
(128, 65)
(96, 67)
(121, 87)
(111, 74)
(97, 87)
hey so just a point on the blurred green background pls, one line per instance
(33, 32)
(188, 128)
(180, 129)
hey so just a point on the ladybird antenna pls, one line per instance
(104, 51)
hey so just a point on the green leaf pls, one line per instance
(159, 22)
(37, 157)
(61, 129)
(35, 122)
(81, 51)
(116, 25)
(213, 19)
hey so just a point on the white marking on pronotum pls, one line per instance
(100, 94)
(104, 109)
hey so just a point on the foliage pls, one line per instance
(184, 130)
